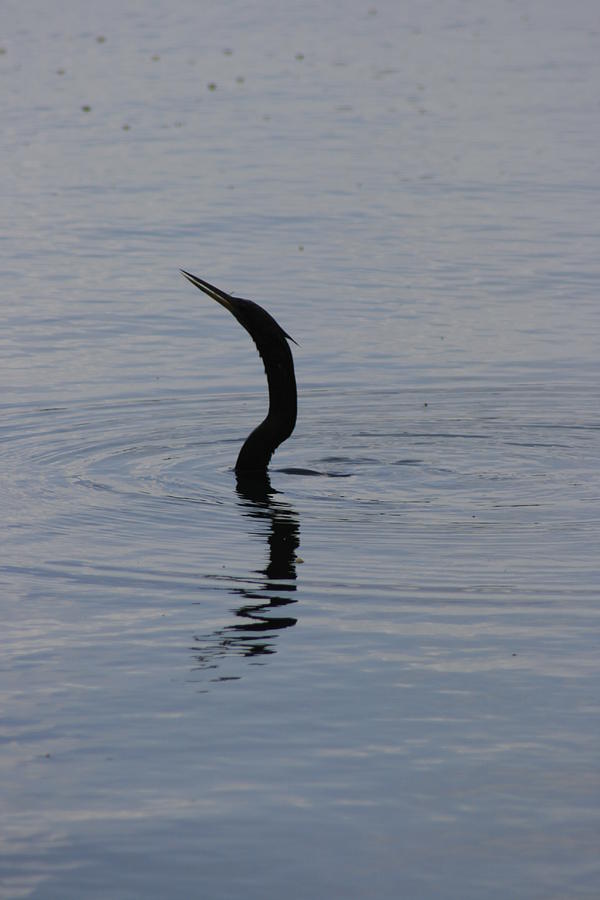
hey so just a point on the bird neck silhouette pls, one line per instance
(280, 420)
(272, 344)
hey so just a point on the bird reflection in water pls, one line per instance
(260, 614)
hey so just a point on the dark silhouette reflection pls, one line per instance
(260, 613)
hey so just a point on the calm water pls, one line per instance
(378, 685)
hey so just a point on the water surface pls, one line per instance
(383, 684)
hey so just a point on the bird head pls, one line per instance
(256, 320)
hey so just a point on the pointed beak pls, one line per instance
(218, 295)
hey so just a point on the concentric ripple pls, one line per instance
(84, 478)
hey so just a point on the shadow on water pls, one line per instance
(260, 612)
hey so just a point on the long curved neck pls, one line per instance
(279, 423)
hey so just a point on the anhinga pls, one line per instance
(272, 344)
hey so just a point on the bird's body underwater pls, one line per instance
(272, 344)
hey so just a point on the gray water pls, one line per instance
(377, 685)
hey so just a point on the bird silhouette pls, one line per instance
(272, 344)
